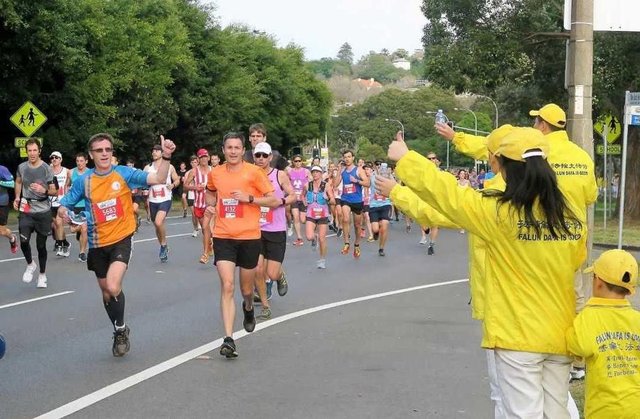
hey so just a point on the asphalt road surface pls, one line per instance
(379, 337)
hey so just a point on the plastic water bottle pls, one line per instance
(384, 170)
(440, 117)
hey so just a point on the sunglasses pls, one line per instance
(102, 150)
(297, 161)
(432, 158)
(260, 155)
(53, 157)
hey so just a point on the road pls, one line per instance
(379, 337)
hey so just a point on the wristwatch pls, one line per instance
(251, 199)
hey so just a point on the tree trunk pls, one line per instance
(632, 182)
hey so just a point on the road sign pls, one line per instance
(28, 118)
(611, 149)
(612, 125)
(634, 99)
(635, 120)
(19, 142)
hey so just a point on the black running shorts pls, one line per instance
(100, 258)
(274, 245)
(244, 253)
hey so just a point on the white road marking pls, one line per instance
(151, 372)
(10, 260)
(155, 239)
(177, 224)
(36, 299)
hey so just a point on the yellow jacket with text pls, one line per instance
(606, 334)
(405, 199)
(529, 296)
(573, 166)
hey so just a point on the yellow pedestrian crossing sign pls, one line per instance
(612, 126)
(28, 118)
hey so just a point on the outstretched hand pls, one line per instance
(384, 185)
(445, 131)
(398, 148)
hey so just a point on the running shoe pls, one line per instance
(371, 239)
(27, 277)
(204, 258)
(577, 374)
(408, 229)
(14, 244)
(42, 281)
(332, 228)
(82, 257)
(321, 264)
(339, 232)
(228, 348)
(283, 285)
(298, 242)
(184, 213)
(195, 233)
(430, 249)
(380, 252)
(314, 243)
(121, 343)
(58, 249)
(249, 321)
(256, 298)
(423, 241)
(345, 249)
(265, 313)
(290, 231)
(164, 253)
(269, 289)
(65, 250)
(356, 251)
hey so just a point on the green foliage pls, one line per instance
(379, 67)
(138, 69)
(345, 54)
(328, 67)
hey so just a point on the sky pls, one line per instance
(321, 27)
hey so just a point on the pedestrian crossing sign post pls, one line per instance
(609, 126)
(19, 143)
(28, 119)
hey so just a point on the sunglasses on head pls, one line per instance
(260, 155)
(102, 150)
(297, 161)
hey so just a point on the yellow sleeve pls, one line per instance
(463, 206)
(591, 192)
(471, 145)
(424, 214)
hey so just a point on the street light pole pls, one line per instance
(395, 120)
(475, 118)
(494, 105)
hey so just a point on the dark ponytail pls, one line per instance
(534, 182)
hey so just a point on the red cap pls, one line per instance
(202, 152)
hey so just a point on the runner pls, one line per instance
(273, 226)
(299, 176)
(6, 182)
(432, 231)
(318, 196)
(190, 195)
(160, 200)
(109, 215)
(366, 197)
(237, 190)
(257, 135)
(80, 229)
(34, 185)
(62, 177)
(353, 179)
(179, 192)
(380, 209)
(196, 182)
(336, 185)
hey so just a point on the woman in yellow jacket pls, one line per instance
(535, 243)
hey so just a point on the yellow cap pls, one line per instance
(522, 143)
(495, 138)
(551, 113)
(616, 267)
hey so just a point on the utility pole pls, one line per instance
(580, 82)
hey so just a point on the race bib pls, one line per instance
(24, 206)
(318, 212)
(379, 197)
(108, 210)
(158, 192)
(230, 208)
(266, 215)
(348, 189)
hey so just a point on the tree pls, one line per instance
(345, 54)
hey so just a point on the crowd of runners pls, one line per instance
(527, 226)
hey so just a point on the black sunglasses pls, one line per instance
(53, 157)
(297, 161)
(260, 155)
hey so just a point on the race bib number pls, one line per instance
(230, 208)
(379, 197)
(108, 210)
(24, 206)
(266, 215)
(318, 212)
(158, 192)
(348, 189)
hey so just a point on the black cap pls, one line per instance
(157, 147)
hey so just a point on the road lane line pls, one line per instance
(119, 386)
(10, 260)
(36, 299)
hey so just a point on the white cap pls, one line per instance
(56, 154)
(262, 148)
(317, 168)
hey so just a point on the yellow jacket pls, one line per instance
(573, 166)
(529, 297)
(405, 199)
(606, 334)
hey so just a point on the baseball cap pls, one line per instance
(157, 147)
(56, 154)
(202, 152)
(262, 148)
(551, 113)
(495, 137)
(316, 169)
(522, 143)
(616, 267)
